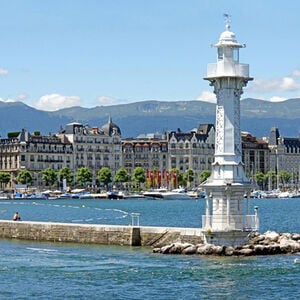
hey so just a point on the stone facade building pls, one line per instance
(255, 155)
(193, 150)
(34, 153)
(146, 153)
(94, 147)
(284, 153)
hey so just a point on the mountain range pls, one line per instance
(257, 117)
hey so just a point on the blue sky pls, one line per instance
(61, 53)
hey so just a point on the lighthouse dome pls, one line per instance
(227, 36)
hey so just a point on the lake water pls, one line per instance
(32, 270)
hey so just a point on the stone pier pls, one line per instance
(99, 234)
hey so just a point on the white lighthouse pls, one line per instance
(227, 185)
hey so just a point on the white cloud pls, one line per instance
(284, 84)
(106, 100)
(54, 102)
(277, 99)
(3, 72)
(296, 73)
(22, 96)
(8, 100)
(207, 97)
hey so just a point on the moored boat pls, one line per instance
(165, 194)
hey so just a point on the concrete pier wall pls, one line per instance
(99, 234)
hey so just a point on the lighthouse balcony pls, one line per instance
(232, 222)
(221, 69)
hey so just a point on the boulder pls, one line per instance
(189, 250)
(246, 251)
(295, 236)
(205, 249)
(229, 251)
(271, 235)
(166, 249)
(156, 250)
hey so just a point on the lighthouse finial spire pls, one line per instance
(227, 21)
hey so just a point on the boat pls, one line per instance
(196, 194)
(165, 194)
(115, 195)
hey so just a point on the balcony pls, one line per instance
(224, 69)
(237, 222)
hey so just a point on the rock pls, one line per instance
(259, 249)
(156, 250)
(178, 248)
(189, 250)
(289, 246)
(219, 250)
(166, 249)
(205, 249)
(271, 235)
(246, 252)
(229, 251)
(269, 243)
(295, 236)
(256, 240)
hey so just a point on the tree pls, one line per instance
(204, 175)
(260, 179)
(104, 175)
(121, 175)
(176, 177)
(189, 176)
(65, 173)
(138, 175)
(49, 176)
(84, 175)
(24, 177)
(284, 177)
(4, 177)
(271, 177)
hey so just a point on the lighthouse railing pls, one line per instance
(234, 222)
(227, 69)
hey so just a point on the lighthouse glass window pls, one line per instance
(220, 53)
(235, 53)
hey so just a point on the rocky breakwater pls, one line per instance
(269, 243)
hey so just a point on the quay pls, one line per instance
(99, 234)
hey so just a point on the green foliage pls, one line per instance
(13, 134)
(179, 177)
(24, 177)
(121, 175)
(204, 175)
(260, 179)
(49, 176)
(284, 177)
(271, 177)
(4, 177)
(37, 133)
(65, 173)
(84, 175)
(189, 176)
(104, 175)
(138, 175)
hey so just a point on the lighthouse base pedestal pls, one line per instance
(227, 238)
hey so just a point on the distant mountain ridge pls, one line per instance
(257, 116)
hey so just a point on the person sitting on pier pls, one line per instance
(16, 217)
